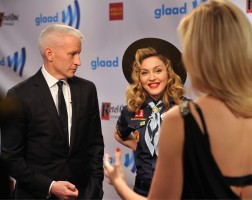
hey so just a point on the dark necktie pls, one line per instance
(62, 109)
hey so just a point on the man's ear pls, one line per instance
(49, 54)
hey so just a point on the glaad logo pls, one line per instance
(17, 61)
(110, 111)
(159, 12)
(8, 19)
(166, 10)
(71, 16)
(104, 63)
(129, 160)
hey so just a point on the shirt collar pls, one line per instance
(51, 81)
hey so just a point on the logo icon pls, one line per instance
(72, 15)
(17, 61)
(129, 160)
(8, 19)
(111, 111)
(116, 11)
(105, 115)
(249, 6)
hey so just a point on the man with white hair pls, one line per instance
(54, 146)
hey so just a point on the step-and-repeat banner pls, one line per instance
(109, 26)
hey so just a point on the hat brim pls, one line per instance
(162, 47)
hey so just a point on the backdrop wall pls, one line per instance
(109, 26)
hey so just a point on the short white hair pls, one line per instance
(56, 29)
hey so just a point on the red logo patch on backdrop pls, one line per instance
(105, 112)
(249, 6)
(116, 11)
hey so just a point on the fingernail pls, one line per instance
(118, 149)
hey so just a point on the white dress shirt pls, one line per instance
(52, 84)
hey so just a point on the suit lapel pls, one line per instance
(46, 97)
(75, 96)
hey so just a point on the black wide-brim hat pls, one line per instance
(162, 47)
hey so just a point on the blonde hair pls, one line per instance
(136, 94)
(217, 49)
(46, 35)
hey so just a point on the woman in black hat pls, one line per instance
(154, 88)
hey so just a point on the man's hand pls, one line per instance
(64, 190)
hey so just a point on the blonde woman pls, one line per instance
(154, 88)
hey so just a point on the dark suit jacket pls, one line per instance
(34, 145)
